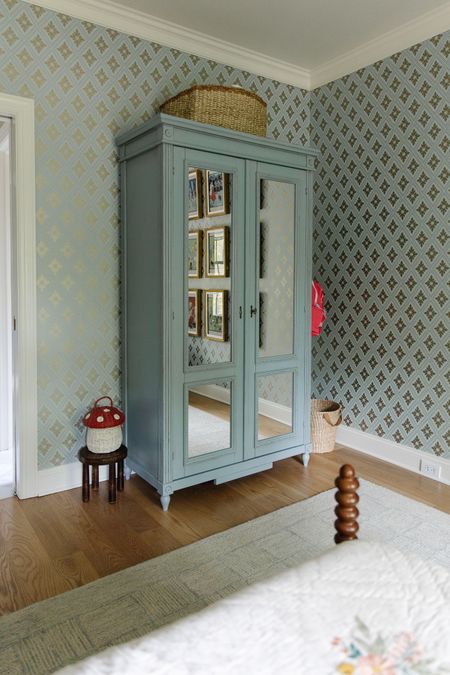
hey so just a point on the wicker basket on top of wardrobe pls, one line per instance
(229, 107)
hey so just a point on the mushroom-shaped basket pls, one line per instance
(104, 427)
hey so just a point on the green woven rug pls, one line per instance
(48, 635)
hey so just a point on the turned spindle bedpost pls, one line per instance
(346, 511)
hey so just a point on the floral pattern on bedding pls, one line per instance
(366, 654)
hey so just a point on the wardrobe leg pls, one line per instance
(165, 501)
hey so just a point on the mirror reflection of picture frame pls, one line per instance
(261, 194)
(262, 249)
(194, 313)
(217, 247)
(217, 193)
(195, 195)
(215, 305)
(195, 254)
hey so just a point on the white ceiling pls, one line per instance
(306, 33)
(301, 42)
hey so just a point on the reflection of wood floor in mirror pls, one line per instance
(267, 427)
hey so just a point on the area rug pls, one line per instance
(48, 635)
(207, 432)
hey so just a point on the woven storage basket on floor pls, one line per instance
(229, 107)
(326, 416)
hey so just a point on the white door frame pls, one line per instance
(23, 223)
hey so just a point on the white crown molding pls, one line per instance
(132, 22)
(390, 451)
(411, 33)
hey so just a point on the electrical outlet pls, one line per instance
(430, 469)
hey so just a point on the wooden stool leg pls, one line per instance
(346, 511)
(112, 482)
(120, 476)
(95, 476)
(85, 482)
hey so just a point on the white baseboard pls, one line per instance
(7, 491)
(276, 411)
(64, 477)
(395, 453)
(213, 391)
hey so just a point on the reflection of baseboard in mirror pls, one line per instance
(209, 413)
(274, 411)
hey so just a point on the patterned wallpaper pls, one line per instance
(89, 83)
(381, 245)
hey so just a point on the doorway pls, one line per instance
(7, 442)
(19, 112)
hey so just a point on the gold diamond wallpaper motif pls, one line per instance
(89, 84)
(381, 245)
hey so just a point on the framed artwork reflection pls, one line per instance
(195, 196)
(216, 315)
(261, 193)
(195, 254)
(217, 193)
(194, 314)
(217, 251)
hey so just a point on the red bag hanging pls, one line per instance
(318, 308)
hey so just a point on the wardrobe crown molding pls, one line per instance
(133, 22)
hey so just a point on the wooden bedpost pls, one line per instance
(346, 511)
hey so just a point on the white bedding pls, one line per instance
(359, 609)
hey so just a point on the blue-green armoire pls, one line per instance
(216, 298)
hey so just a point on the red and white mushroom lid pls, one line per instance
(103, 416)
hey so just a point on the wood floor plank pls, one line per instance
(76, 569)
(30, 566)
(49, 526)
(82, 527)
(54, 543)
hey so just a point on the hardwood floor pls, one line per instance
(51, 544)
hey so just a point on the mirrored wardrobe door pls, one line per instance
(273, 372)
(276, 282)
(212, 292)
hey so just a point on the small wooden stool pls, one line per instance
(94, 459)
